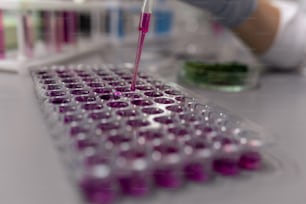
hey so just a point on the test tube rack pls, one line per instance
(26, 55)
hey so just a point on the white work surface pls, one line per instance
(31, 171)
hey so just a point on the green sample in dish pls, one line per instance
(231, 76)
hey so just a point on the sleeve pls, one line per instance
(288, 50)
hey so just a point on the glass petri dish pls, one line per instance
(232, 76)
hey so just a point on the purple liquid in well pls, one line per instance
(102, 90)
(96, 160)
(226, 166)
(92, 106)
(154, 81)
(175, 108)
(100, 115)
(85, 143)
(132, 95)
(250, 161)
(138, 123)
(197, 144)
(102, 73)
(95, 85)
(127, 78)
(123, 89)
(152, 111)
(224, 140)
(56, 93)
(79, 92)
(119, 139)
(151, 135)
(98, 191)
(173, 92)
(117, 93)
(75, 86)
(164, 100)
(78, 130)
(127, 113)
(62, 71)
(167, 178)
(117, 83)
(133, 154)
(72, 118)
(162, 87)
(118, 104)
(47, 76)
(80, 71)
(196, 172)
(111, 78)
(121, 73)
(108, 126)
(153, 94)
(66, 109)
(42, 72)
(90, 79)
(189, 117)
(144, 88)
(85, 98)
(143, 76)
(167, 149)
(84, 75)
(178, 131)
(107, 97)
(53, 87)
(58, 101)
(137, 82)
(66, 75)
(166, 120)
(204, 128)
(141, 102)
(49, 81)
(136, 185)
(180, 98)
(70, 81)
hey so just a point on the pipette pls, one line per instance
(143, 29)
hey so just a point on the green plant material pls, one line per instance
(230, 74)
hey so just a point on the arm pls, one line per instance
(274, 30)
(260, 29)
(254, 21)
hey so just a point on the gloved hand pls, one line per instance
(230, 13)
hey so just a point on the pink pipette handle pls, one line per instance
(143, 28)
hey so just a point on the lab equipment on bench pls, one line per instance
(116, 142)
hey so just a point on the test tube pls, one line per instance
(28, 34)
(47, 29)
(2, 37)
(59, 31)
(73, 24)
(69, 21)
(66, 27)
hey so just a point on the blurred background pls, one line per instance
(33, 32)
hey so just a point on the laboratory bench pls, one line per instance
(31, 171)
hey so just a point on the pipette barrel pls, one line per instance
(144, 22)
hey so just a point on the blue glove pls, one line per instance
(230, 13)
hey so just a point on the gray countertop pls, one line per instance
(31, 171)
